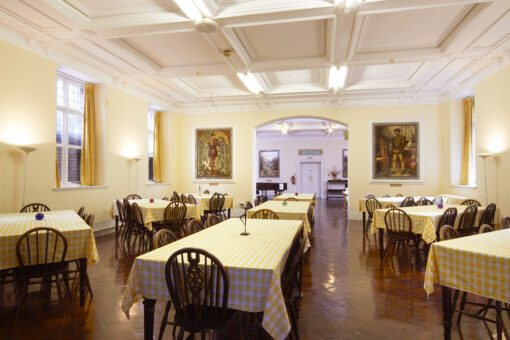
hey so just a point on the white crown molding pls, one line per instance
(238, 46)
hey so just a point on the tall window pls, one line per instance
(150, 125)
(70, 107)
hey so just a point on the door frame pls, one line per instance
(299, 161)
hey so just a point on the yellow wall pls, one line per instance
(27, 116)
(357, 120)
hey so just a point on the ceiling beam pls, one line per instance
(388, 6)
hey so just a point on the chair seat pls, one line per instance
(36, 271)
(210, 317)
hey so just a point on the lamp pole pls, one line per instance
(484, 156)
(136, 160)
(26, 150)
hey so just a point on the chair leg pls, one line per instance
(59, 292)
(23, 294)
(165, 320)
(181, 334)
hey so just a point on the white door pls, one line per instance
(310, 178)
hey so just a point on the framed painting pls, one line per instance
(310, 152)
(396, 151)
(213, 154)
(345, 158)
(269, 163)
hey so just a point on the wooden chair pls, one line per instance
(263, 199)
(467, 221)
(424, 201)
(166, 198)
(175, 199)
(248, 205)
(265, 214)
(447, 232)
(174, 218)
(212, 220)
(162, 238)
(191, 199)
(311, 216)
(176, 195)
(371, 204)
(437, 200)
(400, 231)
(126, 217)
(90, 220)
(385, 195)
(399, 195)
(34, 207)
(194, 226)
(407, 202)
(133, 197)
(141, 232)
(369, 195)
(216, 205)
(81, 212)
(488, 215)
(289, 199)
(41, 254)
(199, 289)
(256, 201)
(505, 222)
(471, 202)
(207, 192)
(448, 218)
(485, 228)
(184, 198)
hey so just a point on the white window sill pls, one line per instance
(463, 186)
(154, 184)
(79, 187)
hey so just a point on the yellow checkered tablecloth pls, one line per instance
(80, 238)
(291, 211)
(478, 264)
(426, 218)
(153, 212)
(204, 199)
(299, 197)
(254, 264)
(386, 201)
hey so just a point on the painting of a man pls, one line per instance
(395, 147)
(213, 153)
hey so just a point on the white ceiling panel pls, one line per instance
(401, 72)
(294, 77)
(101, 7)
(423, 28)
(211, 82)
(289, 40)
(496, 34)
(176, 49)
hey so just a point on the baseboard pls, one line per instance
(104, 228)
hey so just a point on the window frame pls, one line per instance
(150, 159)
(64, 144)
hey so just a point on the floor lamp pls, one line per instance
(135, 160)
(484, 156)
(26, 150)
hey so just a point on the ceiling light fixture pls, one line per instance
(250, 82)
(192, 11)
(337, 77)
(286, 128)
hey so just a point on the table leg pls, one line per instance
(116, 234)
(499, 321)
(364, 214)
(381, 243)
(148, 318)
(228, 213)
(83, 280)
(447, 312)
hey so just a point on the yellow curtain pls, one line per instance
(157, 161)
(57, 173)
(467, 104)
(88, 147)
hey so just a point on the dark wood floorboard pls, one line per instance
(347, 295)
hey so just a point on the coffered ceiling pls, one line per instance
(397, 51)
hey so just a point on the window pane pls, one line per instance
(60, 92)
(150, 121)
(151, 169)
(150, 143)
(73, 165)
(60, 126)
(75, 97)
(59, 160)
(75, 129)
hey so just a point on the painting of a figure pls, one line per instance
(269, 163)
(395, 151)
(213, 153)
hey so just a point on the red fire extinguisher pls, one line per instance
(293, 179)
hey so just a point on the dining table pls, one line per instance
(254, 263)
(286, 210)
(203, 202)
(477, 264)
(81, 244)
(297, 196)
(424, 219)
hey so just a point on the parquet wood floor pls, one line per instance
(347, 295)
